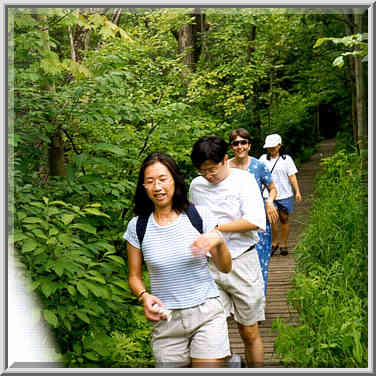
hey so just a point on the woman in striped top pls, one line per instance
(174, 253)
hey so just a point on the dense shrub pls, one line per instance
(68, 255)
(330, 287)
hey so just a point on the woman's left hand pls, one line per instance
(205, 243)
(271, 212)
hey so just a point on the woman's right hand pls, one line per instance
(151, 314)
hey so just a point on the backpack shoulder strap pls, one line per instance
(195, 218)
(141, 224)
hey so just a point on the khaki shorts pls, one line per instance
(198, 332)
(242, 290)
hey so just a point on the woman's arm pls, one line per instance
(294, 182)
(271, 210)
(137, 284)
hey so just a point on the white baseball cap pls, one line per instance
(272, 140)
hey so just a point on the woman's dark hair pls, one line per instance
(142, 203)
(208, 148)
(281, 153)
(240, 132)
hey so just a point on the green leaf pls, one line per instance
(77, 348)
(48, 288)
(98, 291)
(35, 285)
(51, 317)
(110, 149)
(338, 62)
(85, 227)
(67, 218)
(66, 239)
(32, 220)
(96, 276)
(95, 205)
(97, 212)
(83, 316)
(59, 202)
(67, 325)
(59, 268)
(81, 287)
(29, 245)
(117, 259)
(53, 231)
(19, 236)
(71, 290)
(39, 233)
(91, 355)
(122, 284)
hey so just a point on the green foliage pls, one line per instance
(81, 281)
(353, 42)
(127, 94)
(330, 288)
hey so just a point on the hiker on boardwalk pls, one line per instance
(234, 197)
(240, 141)
(166, 234)
(283, 172)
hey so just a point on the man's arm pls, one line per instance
(252, 216)
(239, 225)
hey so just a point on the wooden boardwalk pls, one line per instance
(282, 268)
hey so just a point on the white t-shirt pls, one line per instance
(237, 196)
(281, 172)
(176, 277)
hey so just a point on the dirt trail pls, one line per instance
(281, 268)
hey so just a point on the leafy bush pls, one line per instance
(330, 287)
(81, 282)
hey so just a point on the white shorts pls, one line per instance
(198, 332)
(242, 290)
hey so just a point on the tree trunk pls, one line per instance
(350, 30)
(56, 162)
(251, 39)
(360, 102)
(191, 37)
(317, 133)
(186, 45)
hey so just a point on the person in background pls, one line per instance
(175, 254)
(283, 172)
(234, 197)
(240, 141)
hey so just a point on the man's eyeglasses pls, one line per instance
(163, 182)
(241, 142)
(206, 171)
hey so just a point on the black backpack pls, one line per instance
(192, 214)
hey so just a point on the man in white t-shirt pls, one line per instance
(234, 197)
(283, 171)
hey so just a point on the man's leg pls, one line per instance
(285, 227)
(254, 347)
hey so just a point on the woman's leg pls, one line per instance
(285, 227)
(275, 234)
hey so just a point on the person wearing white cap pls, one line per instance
(283, 170)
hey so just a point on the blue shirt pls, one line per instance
(260, 172)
